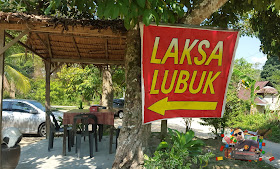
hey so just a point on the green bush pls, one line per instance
(180, 151)
(259, 121)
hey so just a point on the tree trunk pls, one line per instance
(133, 139)
(13, 90)
(107, 88)
(204, 10)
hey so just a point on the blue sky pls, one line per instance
(248, 48)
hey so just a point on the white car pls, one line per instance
(27, 115)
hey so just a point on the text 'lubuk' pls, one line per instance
(205, 82)
(172, 52)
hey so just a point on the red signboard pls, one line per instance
(185, 71)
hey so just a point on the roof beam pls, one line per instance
(41, 40)
(58, 66)
(49, 46)
(59, 29)
(91, 61)
(106, 49)
(25, 46)
(76, 47)
(15, 40)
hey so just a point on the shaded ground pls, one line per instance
(36, 156)
(51, 159)
(29, 139)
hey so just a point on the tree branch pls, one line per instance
(204, 10)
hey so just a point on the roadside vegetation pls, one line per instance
(176, 151)
(238, 112)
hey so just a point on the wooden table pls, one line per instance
(104, 116)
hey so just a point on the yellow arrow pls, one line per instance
(162, 105)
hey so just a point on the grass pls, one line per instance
(214, 146)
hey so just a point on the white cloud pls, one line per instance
(261, 59)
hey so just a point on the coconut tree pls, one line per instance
(14, 79)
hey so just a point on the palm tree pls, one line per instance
(14, 79)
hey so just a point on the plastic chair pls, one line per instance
(55, 128)
(84, 118)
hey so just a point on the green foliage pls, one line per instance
(254, 18)
(242, 70)
(258, 121)
(81, 84)
(180, 151)
(266, 25)
(271, 71)
(118, 78)
(57, 94)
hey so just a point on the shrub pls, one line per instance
(180, 151)
(254, 122)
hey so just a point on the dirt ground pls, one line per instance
(30, 139)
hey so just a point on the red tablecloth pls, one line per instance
(104, 116)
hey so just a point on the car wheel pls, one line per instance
(120, 114)
(43, 130)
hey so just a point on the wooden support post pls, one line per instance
(2, 43)
(163, 129)
(49, 46)
(111, 139)
(48, 89)
(2, 50)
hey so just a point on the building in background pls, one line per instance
(267, 97)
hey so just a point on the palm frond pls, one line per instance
(21, 81)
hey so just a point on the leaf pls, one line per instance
(162, 145)
(123, 8)
(141, 3)
(277, 4)
(134, 10)
(189, 136)
(47, 11)
(147, 17)
(108, 10)
(156, 17)
(127, 23)
(171, 17)
(100, 10)
(57, 3)
(115, 12)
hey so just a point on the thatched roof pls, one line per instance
(68, 40)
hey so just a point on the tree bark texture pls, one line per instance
(205, 9)
(107, 88)
(133, 139)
